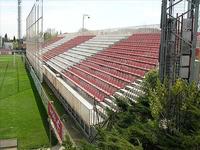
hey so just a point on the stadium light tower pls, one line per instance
(178, 39)
(19, 19)
(83, 21)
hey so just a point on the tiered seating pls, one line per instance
(81, 52)
(58, 43)
(32, 54)
(66, 46)
(51, 41)
(131, 91)
(121, 64)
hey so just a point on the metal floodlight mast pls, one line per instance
(19, 20)
(178, 40)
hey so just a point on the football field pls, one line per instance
(22, 115)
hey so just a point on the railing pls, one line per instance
(45, 99)
(39, 88)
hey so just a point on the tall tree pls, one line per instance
(6, 38)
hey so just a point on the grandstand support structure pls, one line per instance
(178, 39)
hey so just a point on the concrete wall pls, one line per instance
(81, 106)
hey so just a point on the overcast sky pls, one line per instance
(66, 15)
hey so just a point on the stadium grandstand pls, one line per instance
(88, 70)
(75, 78)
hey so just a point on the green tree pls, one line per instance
(14, 39)
(162, 118)
(68, 145)
(15, 45)
(6, 38)
(49, 34)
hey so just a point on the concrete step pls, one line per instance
(93, 51)
(106, 40)
(118, 94)
(69, 59)
(77, 55)
(104, 105)
(89, 47)
(84, 53)
(95, 45)
(100, 42)
(134, 89)
(110, 37)
(110, 103)
(58, 63)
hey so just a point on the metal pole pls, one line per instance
(194, 41)
(42, 20)
(49, 132)
(163, 44)
(41, 42)
(35, 40)
(189, 7)
(14, 59)
(38, 38)
(83, 23)
(171, 9)
(19, 20)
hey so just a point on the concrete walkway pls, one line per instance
(74, 132)
(8, 144)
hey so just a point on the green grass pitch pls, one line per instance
(21, 113)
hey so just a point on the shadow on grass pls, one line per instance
(41, 109)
